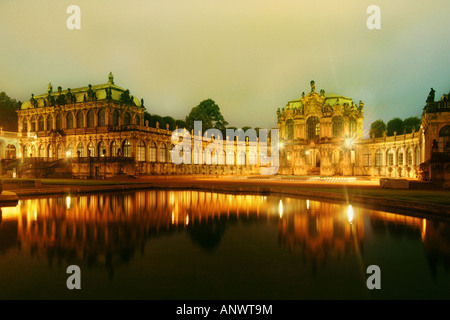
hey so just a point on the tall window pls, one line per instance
(100, 148)
(69, 120)
(313, 127)
(24, 125)
(126, 119)
(41, 123)
(162, 153)
(80, 149)
(101, 117)
(49, 123)
(58, 121)
(141, 151)
(290, 129)
(69, 151)
(126, 148)
(137, 119)
(409, 156)
(379, 158)
(400, 157)
(41, 151)
(80, 122)
(114, 147)
(417, 156)
(366, 158)
(59, 152)
(390, 157)
(91, 150)
(338, 126)
(115, 118)
(33, 124)
(152, 152)
(240, 158)
(50, 151)
(444, 139)
(90, 119)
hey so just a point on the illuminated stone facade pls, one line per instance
(323, 134)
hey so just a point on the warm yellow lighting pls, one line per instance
(307, 204)
(187, 219)
(280, 209)
(307, 152)
(173, 217)
(350, 213)
(68, 154)
(68, 200)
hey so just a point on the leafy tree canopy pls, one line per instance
(209, 113)
(395, 125)
(8, 114)
(411, 123)
(377, 128)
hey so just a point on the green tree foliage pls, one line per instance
(170, 121)
(209, 113)
(377, 128)
(395, 125)
(180, 123)
(410, 123)
(8, 114)
(157, 118)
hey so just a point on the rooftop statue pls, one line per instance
(313, 86)
(431, 95)
(110, 78)
(49, 88)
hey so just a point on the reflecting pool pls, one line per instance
(205, 245)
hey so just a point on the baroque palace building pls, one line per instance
(100, 131)
(322, 134)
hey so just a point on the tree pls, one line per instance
(8, 114)
(180, 123)
(156, 118)
(147, 117)
(377, 128)
(170, 121)
(395, 125)
(208, 112)
(410, 123)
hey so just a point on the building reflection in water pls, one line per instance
(109, 229)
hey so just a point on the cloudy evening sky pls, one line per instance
(250, 56)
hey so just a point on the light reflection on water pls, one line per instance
(204, 245)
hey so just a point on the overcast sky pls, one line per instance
(250, 56)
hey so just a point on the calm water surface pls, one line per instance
(203, 245)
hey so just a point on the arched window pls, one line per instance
(338, 126)
(113, 150)
(80, 122)
(141, 151)
(230, 157)
(137, 119)
(91, 150)
(49, 123)
(379, 158)
(400, 157)
(240, 158)
(367, 158)
(33, 124)
(390, 157)
(101, 117)
(352, 126)
(162, 153)
(126, 119)
(409, 156)
(152, 152)
(80, 149)
(59, 152)
(101, 149)
(313, 127)
(290, 129)
(126, 148)
(58, 121)
(41, 151)
(69, 120)
(115, 118)
(444, 139)
(69, 151)
(90, 119)
(41, 123)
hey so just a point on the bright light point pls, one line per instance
(187, 220)
(68, 200)
(68, 154)
(350, 213)
(307, 204)
(173, 217)
(280, 209)
(307, 152)
(281, 145)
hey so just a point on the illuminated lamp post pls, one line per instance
(349, 143)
